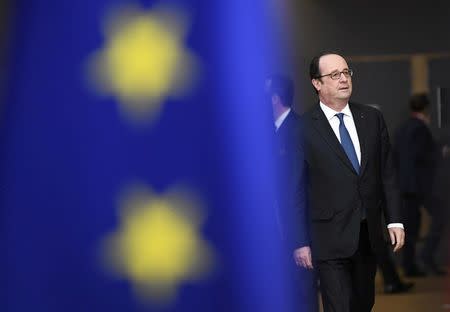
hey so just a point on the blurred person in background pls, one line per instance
(416, 156)
(392, 282)
(291, 204)
(437, 234)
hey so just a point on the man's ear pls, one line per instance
(276, 99)
(316, 83)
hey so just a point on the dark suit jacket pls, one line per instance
(336, 193)
(291, 185)
(416, 157)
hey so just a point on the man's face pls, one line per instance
(333, 91)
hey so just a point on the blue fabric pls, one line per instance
(347, 143)
(70, 152)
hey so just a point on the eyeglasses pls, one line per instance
(336, 75)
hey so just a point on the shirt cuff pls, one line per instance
(395, 225)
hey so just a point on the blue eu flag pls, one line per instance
(136, 167)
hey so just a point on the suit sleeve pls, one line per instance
(389, 180)
(301, 228)
(292, 192)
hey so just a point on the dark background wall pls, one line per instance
(375, 27)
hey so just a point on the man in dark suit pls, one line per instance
(350, 175)
(416, 157)
(291, 205)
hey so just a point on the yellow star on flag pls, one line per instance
(158, 244)
(144, 60)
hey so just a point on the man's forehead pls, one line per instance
(332, 61)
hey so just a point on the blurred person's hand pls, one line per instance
(302, 257)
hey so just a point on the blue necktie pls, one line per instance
(347, 143)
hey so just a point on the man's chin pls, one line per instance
(345, 91)
(345, 97)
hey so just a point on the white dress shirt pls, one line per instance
(281, 118)
(349, 123)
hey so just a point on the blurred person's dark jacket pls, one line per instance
(292, 205)
(292, 209)
(416, 157)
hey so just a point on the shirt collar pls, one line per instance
(280, 119)
(330, 113)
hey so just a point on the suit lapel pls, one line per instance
(360, 123)
(322, 125)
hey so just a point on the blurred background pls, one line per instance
(85, 155)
